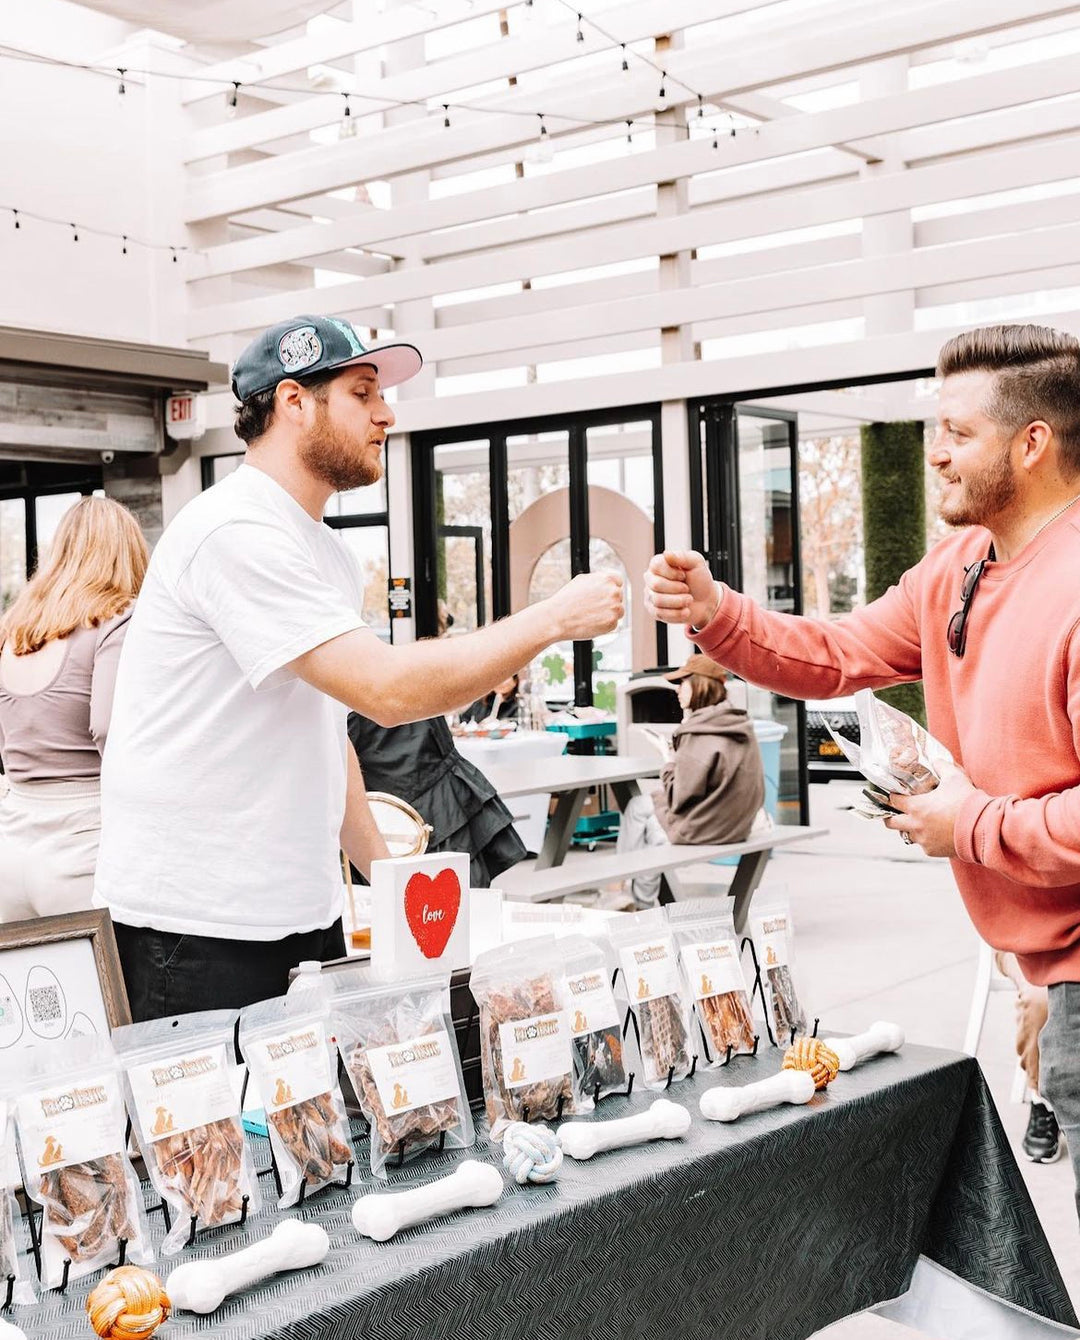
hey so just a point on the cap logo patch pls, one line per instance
(299, 348)
(354, 344)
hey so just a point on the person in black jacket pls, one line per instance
(418, 763)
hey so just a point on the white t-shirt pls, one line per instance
(223, 781)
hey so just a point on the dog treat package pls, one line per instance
(286, 1045)
(709, 954)
(530, 1067)
(774, 942)
(12, 1265)
(184, 1099)
(398, 1045)
(71, 1124)
(894, 753)
(595, 1019)
(650, 972)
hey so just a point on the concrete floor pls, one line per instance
(881, 933)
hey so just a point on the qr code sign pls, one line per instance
(45, 1005)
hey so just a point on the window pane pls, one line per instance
(49, 508)
(12, 549)
(224, 465)
(463, 533)
(358, 502)
(371, 545)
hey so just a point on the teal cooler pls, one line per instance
(769, 734)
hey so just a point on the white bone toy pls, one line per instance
(879, 1037)
(9, 1332)
(382, 1215)
(728, 1104)
(663, 1121)
(202, 1286)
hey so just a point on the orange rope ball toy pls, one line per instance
(129, 1304)
(812, 1054)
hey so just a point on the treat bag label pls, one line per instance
(535, 1049)
(183, 1091)
(712, 969)
(71, 1123)
(773, 948)
(650, 970)
(592, 1004)
(291, 1067)
(414, 1073)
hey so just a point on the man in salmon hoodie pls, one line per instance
(989, 620)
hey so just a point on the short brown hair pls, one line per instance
(255, 414)
(1037, 377)
(705, 691)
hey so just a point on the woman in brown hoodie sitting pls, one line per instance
(713, 783)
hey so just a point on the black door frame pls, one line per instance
(45, 479)
(576, 426)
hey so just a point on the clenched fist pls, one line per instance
(589, 605)
(679, 588)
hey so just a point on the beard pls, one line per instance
(334, 457)
(983, 496)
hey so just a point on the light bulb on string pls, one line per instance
(529, 14)
(123, 239)
(174, 256)
(75, 232)
(446, 116)
(231, 98)
(661, 103)
(17, 223)
(544, 150)
(700, 108)
(629, 136)
(348, 121)
(580, 34)
(121, 71)
(715, 140)
(625, 62)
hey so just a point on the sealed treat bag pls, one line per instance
(894, 753)
(13, 1265)
(397, 1042)
(595, 1019)
(774, 943)
(287, 1046)
(650, 971)
(69, 1114)
(184, 1098)
(526, 1053)
(709, 953)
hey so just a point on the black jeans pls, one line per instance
(1059, 1066)
(169, 974)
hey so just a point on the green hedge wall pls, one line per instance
(894, 521)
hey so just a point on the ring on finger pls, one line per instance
(906, 838)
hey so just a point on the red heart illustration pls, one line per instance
(431, 909)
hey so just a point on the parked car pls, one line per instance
(824, 758)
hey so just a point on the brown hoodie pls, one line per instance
(715, 784)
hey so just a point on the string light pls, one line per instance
(75, 231)
(123, 238)
(121, 71)
(580, 34)
(231, 98)
(700, 108)
(446, 116)
(661, 97)
(17, 223)
(625, 62)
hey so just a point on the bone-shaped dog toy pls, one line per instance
(728, 1104)
(202, 1286)
(879, 1037)
(382, 1215)
(9, 1332)
(663, 1121)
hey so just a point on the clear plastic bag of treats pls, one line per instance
(13, 1264)
(286, 1044)
(529, 1064)
(71, 1123)
(183, 1088)
(398, 1045)
(595, 1019)
(654, 990)
(709, 954)
(773, 934)
(894, 753)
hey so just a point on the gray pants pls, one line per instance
(1059, 1050)
(639, 827)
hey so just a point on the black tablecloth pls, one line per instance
(774, 1226)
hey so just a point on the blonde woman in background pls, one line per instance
(59, 647)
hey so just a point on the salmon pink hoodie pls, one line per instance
(1009, 711)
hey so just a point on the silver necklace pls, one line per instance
(1060, 512)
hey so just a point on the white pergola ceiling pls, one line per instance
(213, 22)
(894, 172)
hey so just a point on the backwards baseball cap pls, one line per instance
(306, 345)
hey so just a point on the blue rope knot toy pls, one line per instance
(531, 1153)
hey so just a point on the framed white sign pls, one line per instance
(420, 914)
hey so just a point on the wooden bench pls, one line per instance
(524, 883)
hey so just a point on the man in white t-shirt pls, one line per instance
(228, 784)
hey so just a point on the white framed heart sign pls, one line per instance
(420, 913)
